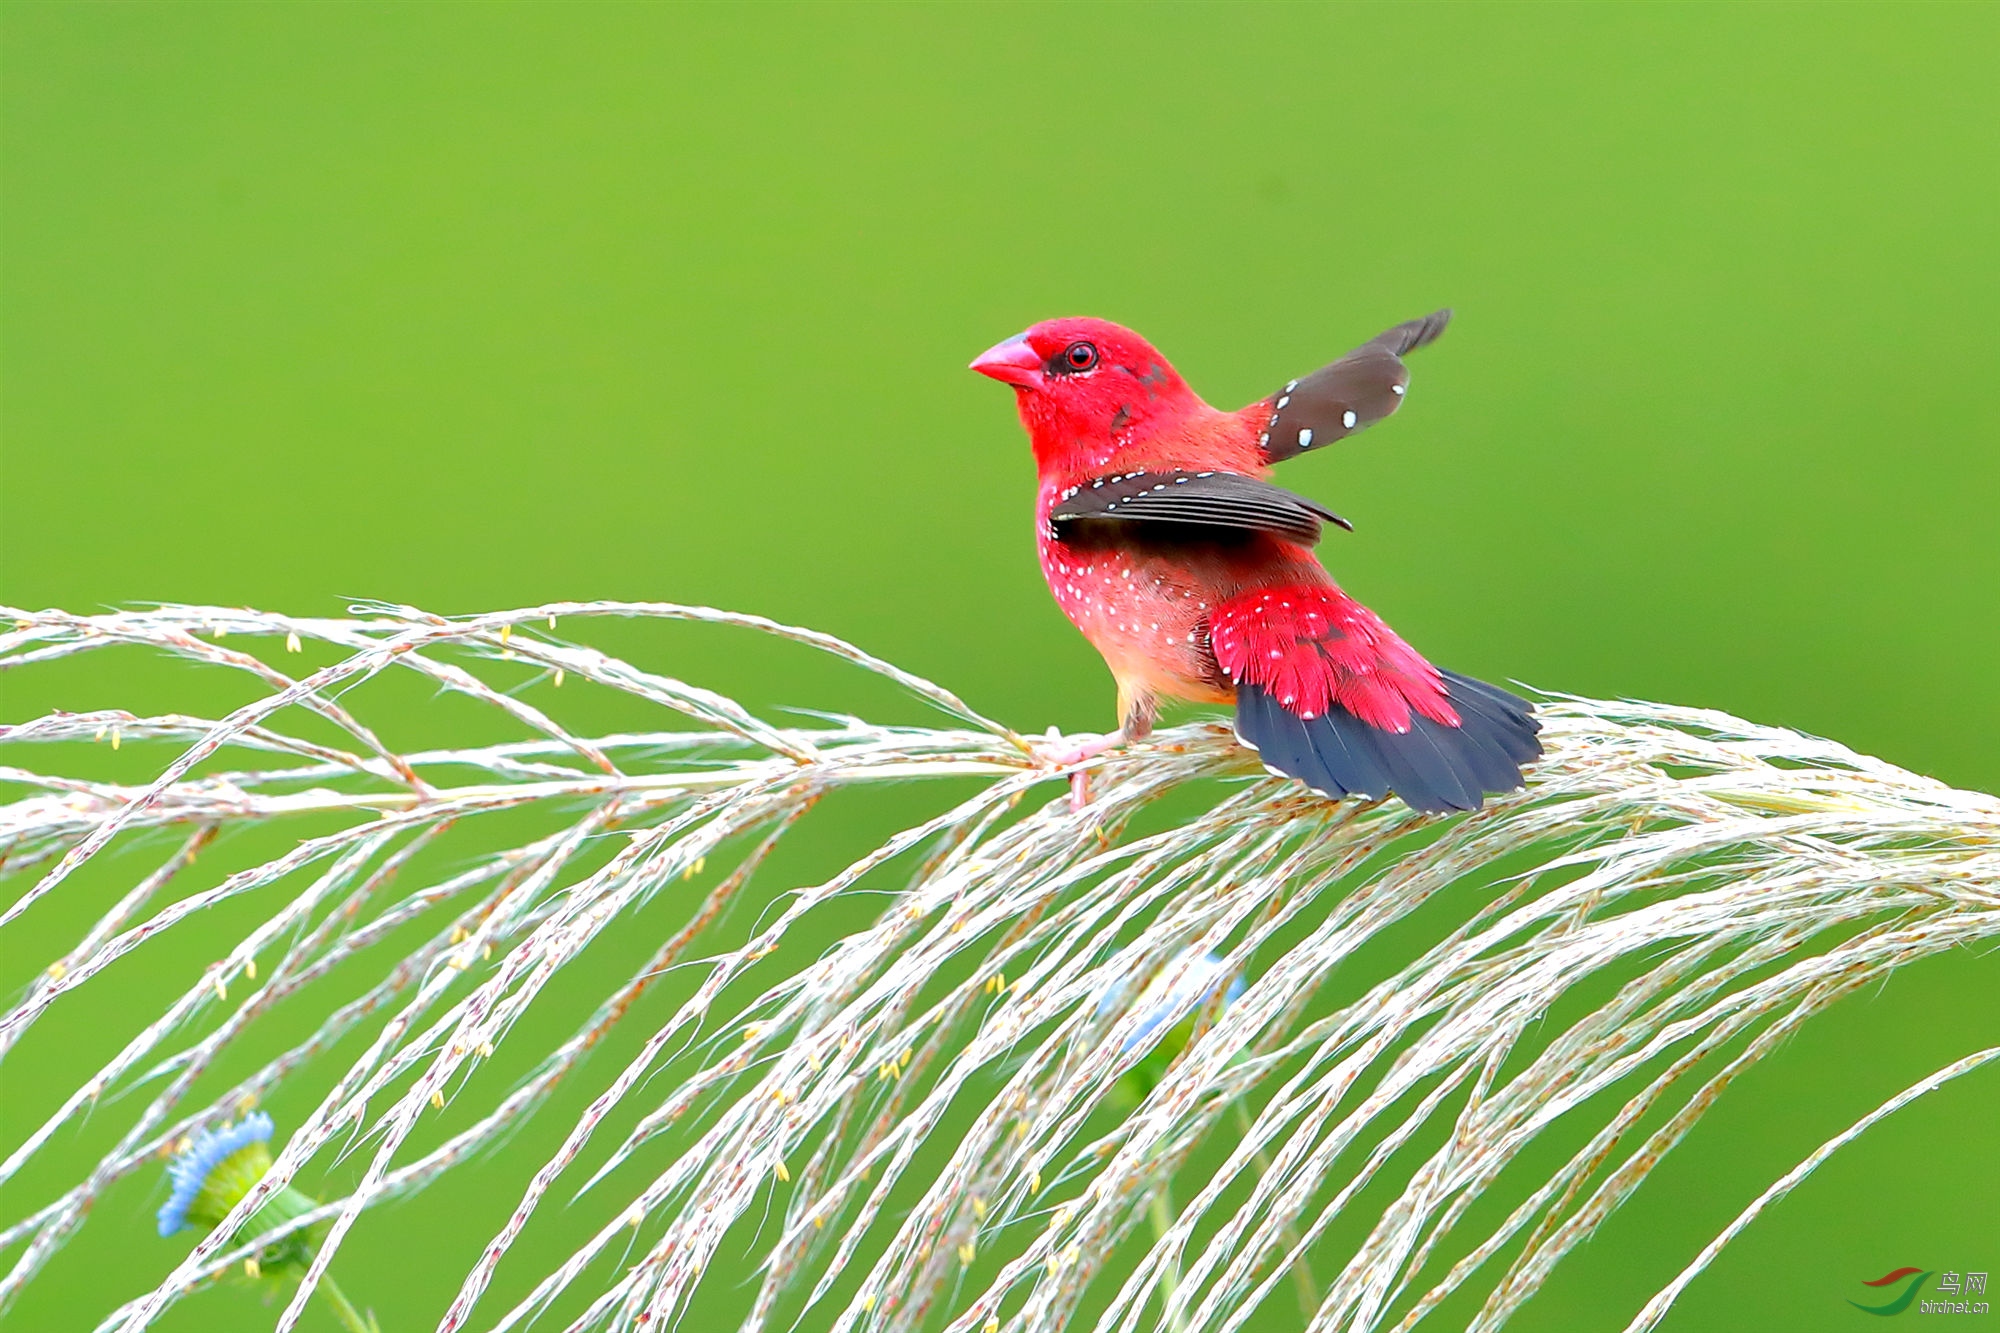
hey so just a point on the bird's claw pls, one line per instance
(1059, 751)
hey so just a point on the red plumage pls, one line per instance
(1195, 578)
(1316, 648)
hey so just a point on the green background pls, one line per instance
(474, 307)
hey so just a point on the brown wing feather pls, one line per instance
(1203, 499)
(1349, 395)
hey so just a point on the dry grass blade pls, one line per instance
(900, 1086)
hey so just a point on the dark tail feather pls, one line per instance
(1509, 719)
(1432, 767)
(1284, 749)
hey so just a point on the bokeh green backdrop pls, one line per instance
(474, 307)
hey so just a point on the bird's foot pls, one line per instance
(1060, 751)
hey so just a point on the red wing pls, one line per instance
(1313, 648)
(1326, 693)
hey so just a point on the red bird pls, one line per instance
(1195, 577)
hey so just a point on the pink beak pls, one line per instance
(1011, 362)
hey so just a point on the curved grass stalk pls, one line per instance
(907, 1113)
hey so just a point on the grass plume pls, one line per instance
(904, 1115)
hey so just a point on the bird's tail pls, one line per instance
(1432, 766)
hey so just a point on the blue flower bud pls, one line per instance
(214, 1170)
(1196, 986)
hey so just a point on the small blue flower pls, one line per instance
(1195, 987)
(217, 1168)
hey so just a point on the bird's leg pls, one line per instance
(1136, 713)
(1056, 754)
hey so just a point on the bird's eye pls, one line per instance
(1079, 357)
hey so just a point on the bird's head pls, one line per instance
(1086, 388)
